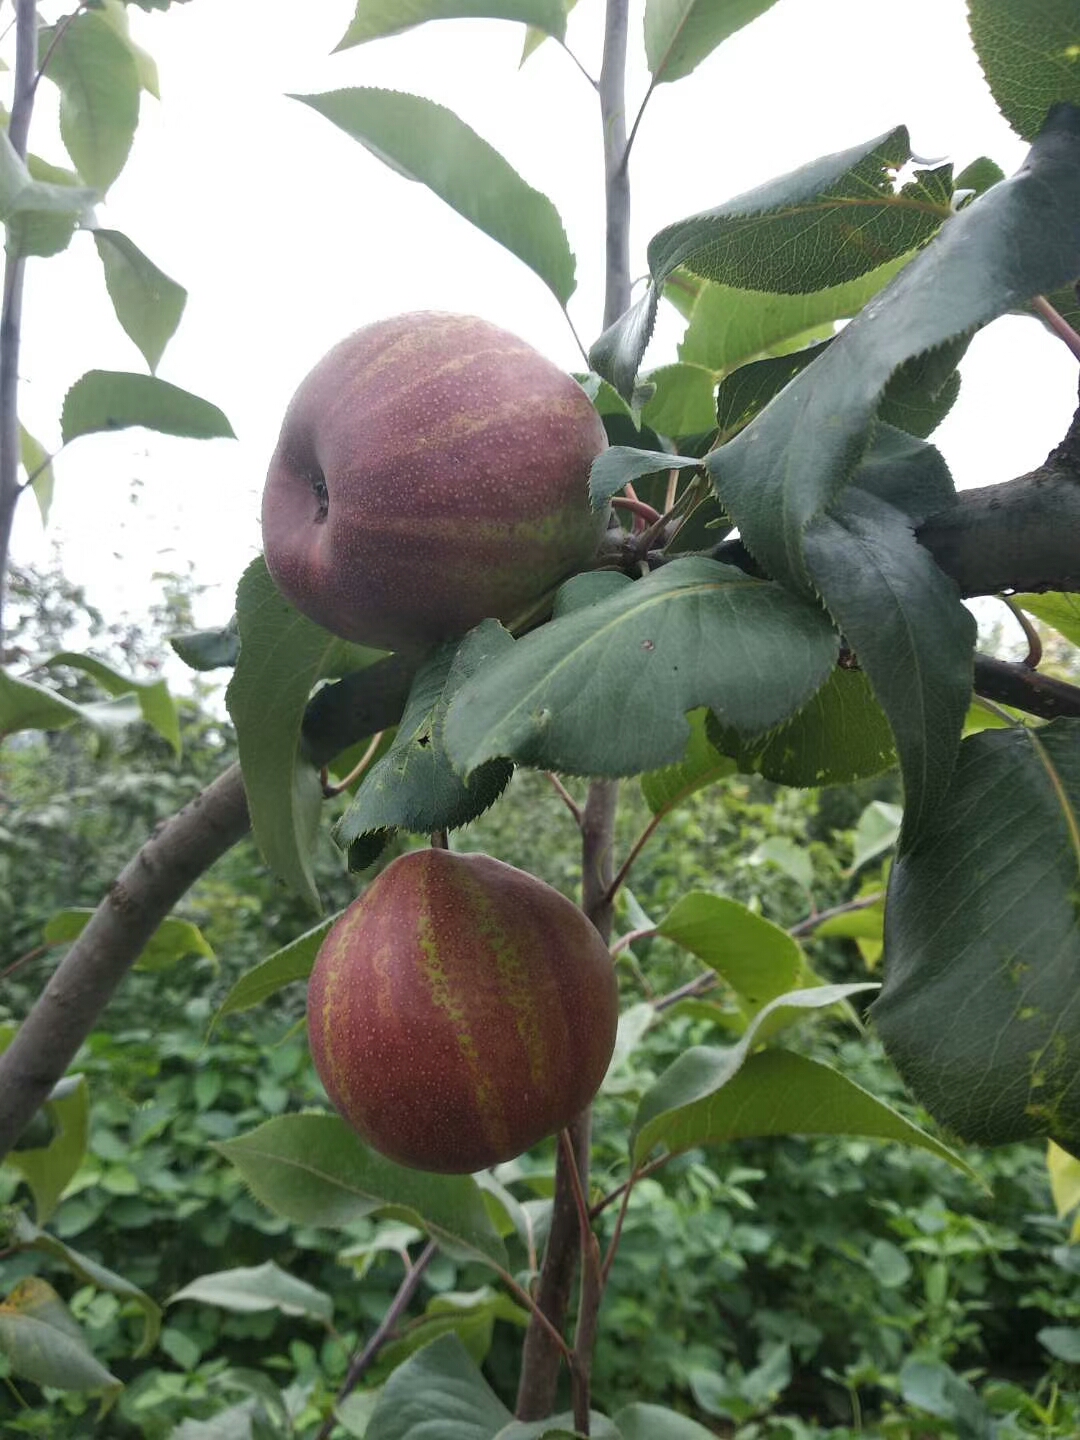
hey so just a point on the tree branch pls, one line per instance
(11, 313)
(150, 885)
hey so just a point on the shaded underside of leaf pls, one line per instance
(981, 1006)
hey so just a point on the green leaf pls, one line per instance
(730, 327)
(376, 18)
(282, 656)
(91, 1273)
(209, 649)
(115, 12)
(684, 402)
(758, 959)
(876, 832)
(776, 1092)
(1062, 1341)
(40, 204)
(924, 389)
(534, 38)
(1021, 238)
(439, 1391)
(313, 1170)
(680, 33)
(173, 940)
(913, 636)
(1060, 611)
(702, 764)
(147, 303)
(426, 142)
(840, 735)
(117, 399)
(620, 465)
(292, 962)
(44, 1344)
(49, 1169)
(470, 1316)
(1030, 55)
(99, 94)
(826, 223)
(249, 1289)
(703, 1070)
(26, 706)
(982, 946)
(655, 1422)
(36, 461)
(691, 633)
(157, 706)
(414, 787)
(746, 391)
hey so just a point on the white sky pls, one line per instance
(288, 235)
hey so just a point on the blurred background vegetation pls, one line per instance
(790, 1289)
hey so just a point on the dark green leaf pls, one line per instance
(680, 33)
(156, 704)
(617, 354)
(1030, 55)
(827, 223)
(780, 1093)
(44, 1344)
(439, 1391)
(924, 389)
(912, 635)
(414, 787)
(147, 303)
(282, 656)
(621, 465)
(99, 94)
(747, 390)
(700, 1072)
(426, 142)
(91, 1273)
(654, 1422)
(209, 649)
(979, 175)
(313, 1170)
(250, 1288)
(1062, 1341)
(979, 1009)
(692, 633)
(292, 962)
(376, 18)
(1021, 238)
(840, 735)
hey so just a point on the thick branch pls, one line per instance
(1025, 689)
(1023, 534)
(148, 887)
(163, 870)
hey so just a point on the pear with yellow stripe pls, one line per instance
(460, 1011)
(432, 471)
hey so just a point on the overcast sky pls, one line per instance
(288, 235)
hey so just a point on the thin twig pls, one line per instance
(635, 850)
(812, 922)
(1057, 323)
(609, 1258)
(625, 161)
(61, 30)
(593, 82)
(637, 507)
(362, 1362)
(31, 955)
(565, 796)
(1034, 641)
(329, 791)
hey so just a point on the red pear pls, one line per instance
(460, 1011)
(432, 470)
